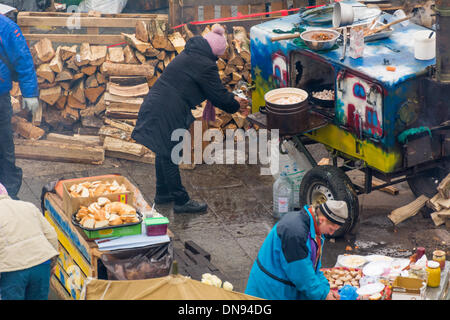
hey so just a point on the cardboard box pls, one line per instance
(71, 204)
(405, 288)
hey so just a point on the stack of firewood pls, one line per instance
(98, 90)
(440, 203)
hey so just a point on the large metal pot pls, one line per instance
(289, 118)
(273, 99)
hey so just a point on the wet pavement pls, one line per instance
(239, 214)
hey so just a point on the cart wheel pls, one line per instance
(323, 183)
(426, 183)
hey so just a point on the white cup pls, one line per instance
(424, 45)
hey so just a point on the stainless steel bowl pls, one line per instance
(318, 45)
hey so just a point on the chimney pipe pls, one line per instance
(442, 8)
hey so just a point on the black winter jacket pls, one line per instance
(191, 78)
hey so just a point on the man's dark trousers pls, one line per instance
(10, 175)
(168, 180)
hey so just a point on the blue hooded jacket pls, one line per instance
(287, 266)
(14, 47)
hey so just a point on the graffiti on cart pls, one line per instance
(359, 104)
(280, 69)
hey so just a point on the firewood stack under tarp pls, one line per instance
(96, 91)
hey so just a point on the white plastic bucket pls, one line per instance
(424, 45)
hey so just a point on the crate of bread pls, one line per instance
(83, 192)
(341, 276)
(105, 218)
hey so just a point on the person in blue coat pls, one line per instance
(288, 264)
(16, 64)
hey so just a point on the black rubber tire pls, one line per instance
(341, 188)
(426, 183)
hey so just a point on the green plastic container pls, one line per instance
(116, 231)
(156, 226)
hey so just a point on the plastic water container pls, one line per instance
(282, 196)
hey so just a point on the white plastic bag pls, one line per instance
(103, 6)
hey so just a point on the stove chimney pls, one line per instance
(442, 8)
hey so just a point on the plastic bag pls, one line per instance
(103, 6)
(148, 262)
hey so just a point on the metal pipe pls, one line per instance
(442, 8)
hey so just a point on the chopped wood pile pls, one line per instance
(440, 203)
(93, 93)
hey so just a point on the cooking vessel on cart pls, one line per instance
(289, 117)
(317, 101)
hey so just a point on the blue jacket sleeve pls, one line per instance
(301, 273)
(16, 48)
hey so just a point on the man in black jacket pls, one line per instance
(191, 78)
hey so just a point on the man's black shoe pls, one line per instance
(191, 206)
(163, 199)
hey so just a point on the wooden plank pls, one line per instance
(222, 2)
(56, 151)
(119, 145)
(409, 210)
(128, 91)
(105, 39)
(78, 139)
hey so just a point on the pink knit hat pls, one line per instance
(217, 40)
(3, 191)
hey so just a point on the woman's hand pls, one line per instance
(243, 103)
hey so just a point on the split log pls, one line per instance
(67, 53)
(85, 55)
(239, 119)
(242, 43)
(91, 82)
(118, 69)
(50, 95)
(128, 91)
(407, 211)
(123, 147)
(157, 33)
(444, 187)
(78, 92)
(140, 57)
(26, 129)
(56, 63)
(177, 41)
(57, 151)
(61, 103)
(128, 80)
(44, 50)
(71, 113)
(89, 70)
(444, 203)
(437, 219)
(143, 47)
(142, 31)
(85, 140)
(120, 125)
(98, 55)
(129, 56)
(64, 75)
(45, 71)
(112, 132)
(101, 78)
(71, 64)
(116, 55)
(92, 94)
(74, 103)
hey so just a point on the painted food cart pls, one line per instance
(391, 123)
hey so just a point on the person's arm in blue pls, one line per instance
(302, 274)
(16, 48)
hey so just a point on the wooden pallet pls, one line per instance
(200, 10)
(102, 29)
(193, 261)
